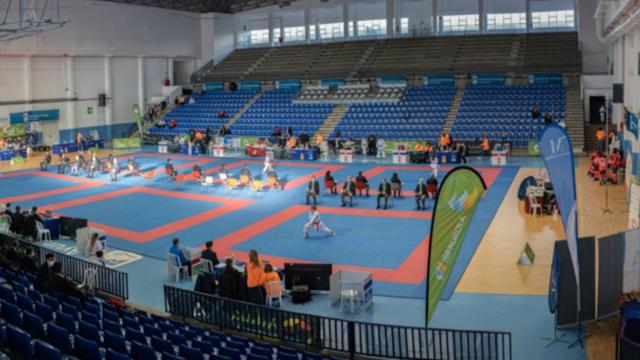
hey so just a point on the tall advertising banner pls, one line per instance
(457, 200)
(557, 152)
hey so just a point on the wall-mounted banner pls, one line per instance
(545, 78)
(210, 86)
(457, 200)
(487, 79)
(439, 80)
(34, 115)
(250, 85)
(288, 84)
(400, 80)
(633, 124)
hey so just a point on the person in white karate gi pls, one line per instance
(314, 220)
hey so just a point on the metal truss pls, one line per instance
(204, 6)
(22, 18)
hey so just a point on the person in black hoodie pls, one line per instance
(44, 272)
(28, 261)
(12, 253)
(17, 221)
(62, 284)
(230, 283)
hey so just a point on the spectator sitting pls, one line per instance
(304, 140)
(172, 123)
(292, 143)
(209, 254)
(98, 258)
(44, 272)
(160, 123)
(11, 254)
(176, 250)
(548, 119)
(276, 132)
(272, 282)
(28, 261)
(222, 114)
(59, 283)
(230, 283)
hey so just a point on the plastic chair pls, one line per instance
(86, 349)
(135, 335)
(59, 337)
(11, 313)
(19, 342)
(33, 325)
(42, 233)
(176, 339)
(115, 355)
(42, 350)
(90, 278)
(89, 332)
(189, 353)
(175, 267)
(161, 345)
(44, 312)
(534, 207)
(208, 266)
(140, 351)
(149, 175)
(116, 342)
(274, 291)
(349, 294)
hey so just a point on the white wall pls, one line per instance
(594, 52)
(72, 62)
(223, 36)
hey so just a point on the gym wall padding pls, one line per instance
(610, 273)
(567, 298)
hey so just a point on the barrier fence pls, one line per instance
(108, 281)
(355, 338)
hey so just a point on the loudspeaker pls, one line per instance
(618, 93)
(102, 100)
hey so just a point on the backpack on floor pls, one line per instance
(300, 294)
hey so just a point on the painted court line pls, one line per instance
(84, 184)
(229, 205)
(413, 269)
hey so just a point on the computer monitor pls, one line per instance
(316, 276)
(69, 225)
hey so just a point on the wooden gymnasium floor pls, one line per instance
(493, 268)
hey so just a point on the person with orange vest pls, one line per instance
(600, 136)
(602, 169)
(486, 145)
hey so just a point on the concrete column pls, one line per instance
(141, 95)
(527, 11)
(481, 17)
(270, 25)
(70, 124)
(435, 26)
(307, 25)
(170, 71)
(108, 92)
(28, 87)
(235, 31)
(390, 16)
(345, 18)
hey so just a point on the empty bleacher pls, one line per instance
(537, 52)
(420, 115)
(504, 112)
(35, 325)
(204, 112)
(275, 108)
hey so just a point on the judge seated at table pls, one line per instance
(176, 249)
(432, 186)
(348, 190)
(246, 172)
(209, 254)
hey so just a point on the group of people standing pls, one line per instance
(109, 165)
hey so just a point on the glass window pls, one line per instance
(552, 19)
(508, 21)
(331, 30)
(259, 37)
(377, 27)
(404, 26)
(454, 23)
(294, 33)
(276, 35)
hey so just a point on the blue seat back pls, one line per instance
(115, 342)
(86, 349)
(43, 350)
(59, 337)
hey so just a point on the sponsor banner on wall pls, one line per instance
(545, 78)
(634, 205)
(288, 84)
(457, 200)
(34, 115)
(487, 79)
(211, 86)
(439, 80)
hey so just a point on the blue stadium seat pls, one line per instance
(135, 335)
(176, 339)
(19, 342)
(161, 345)
(66, 321)
(114, 355)
(111, 326)
(11, 313)
(203, 346)
(86, 349)
(233, 354)
(167, 356)
(89, 331)
(115, 342)
(33, 325)
(59, 337)
(189, 353)
(141, 351)
(43, 350)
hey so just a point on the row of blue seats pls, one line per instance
(287, 115)
(267, 133)
(271, 120)
(208, 108)
(498, 127)
(387, 121)
(389, 128)
(239, 127)
(515, 114)
(506, 135)
(389, 135)
(87, 329)
(203, 119)
(290, 107)
(399, 109)
(424, 115)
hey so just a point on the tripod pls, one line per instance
(606, 209)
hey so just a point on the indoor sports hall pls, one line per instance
(265, 180)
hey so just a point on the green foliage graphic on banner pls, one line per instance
(458, 197)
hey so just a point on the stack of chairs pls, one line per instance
(314, 93)
(204, 112)
(503, 112)
(275, 108)
(420, 115)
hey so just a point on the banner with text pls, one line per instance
(439, 80)
(457, 200)
(34, 115)
(557, 152)
(545, 78)
(487, 79)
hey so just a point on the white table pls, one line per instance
(351, 286)
(346, 155)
